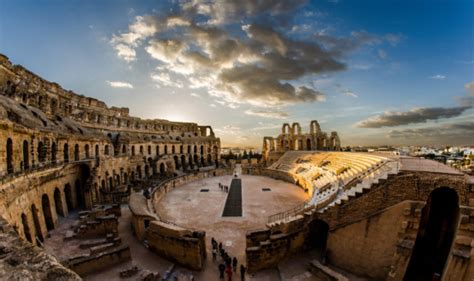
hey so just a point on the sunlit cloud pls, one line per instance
(120, 84)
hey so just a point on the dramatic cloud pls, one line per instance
(470, 88)
(455, 130)
(416, 115)
(267, 113)
(120, 84)
(438, 77)
(218, 46)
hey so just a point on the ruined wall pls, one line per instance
(176, 243)
(85, 265)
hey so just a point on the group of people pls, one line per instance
(228, 264)
(224, 188)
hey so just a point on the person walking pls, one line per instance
(229, 273)
(242, 272)
(234, 264)
(220, 246)
(214, 254)
(221, 270)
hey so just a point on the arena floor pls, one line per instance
(187, 206)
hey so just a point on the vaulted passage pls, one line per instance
(26, 228)
(233, 204)
(39, 233)
(68, 195)
(435, 237)
(48, 217)
(318, 237)
(58, 202)
(10, 156)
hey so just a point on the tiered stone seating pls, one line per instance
(335, 176)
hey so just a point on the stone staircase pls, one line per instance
(379, 174)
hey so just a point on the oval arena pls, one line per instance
(89, 192)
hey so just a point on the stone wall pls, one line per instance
(364, 232)
(88, 264)
(178, 244)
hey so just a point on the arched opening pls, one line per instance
(125, 178)
(308, 144)
(139, 172)
(166, 149)
(195, 149)
(202, 149)
(68, 195)
(106, 149)
(196, 159)
(10, 156)
(80, 186)
(157, 150)
(38, 232)
(202, 161)
(48, 216)
(162, 169)
(124, 149)
(41, 152)
(176, 162)
(58, 202)
(181, 149)
(141, 149)
(438, 224)
(26, 153)
(183, 161)
(173, 151)
(86, 151)
(149, 149)
(133, 150)
(54, 152)
(111, 184)
(76, 152)
(66, 153)
(318, 237)
(189, 149)
(147, 171)
(190, 161)
(96, 150)
(26, 228)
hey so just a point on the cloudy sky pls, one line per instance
(378, 72)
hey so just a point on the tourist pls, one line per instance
(220, 246)
(214, 243)
(242, 272)
(229, 272)
(221, 270)
(214, 254)
(234, 263)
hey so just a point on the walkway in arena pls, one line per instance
(233, 204)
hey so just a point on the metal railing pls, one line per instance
(285, 215)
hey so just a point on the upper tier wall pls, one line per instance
(26, 87)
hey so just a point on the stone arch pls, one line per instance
(157, 150)
(68, 196)
(166, 149)
(36, 221)
(26, 227)
(189, 149)
(76, 152)
(66, 152)
(58, 202)
(26, 153)
(314, 127)
(124, 149)
(317, 237)
(176, 162)
(181, 149)
(96, 150)
(183, 161)
(54, 152)
(202, 149)
(296, 128)
(141, 149)
(149, 149)
(48, 215)
(173, 150)
(285, 129)
(133, 150)
(41, 152)
(86, 151)
(195, 148)
(436, 232)
(308, 144)
(162, 169)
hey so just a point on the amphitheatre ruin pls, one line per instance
(89, 192)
